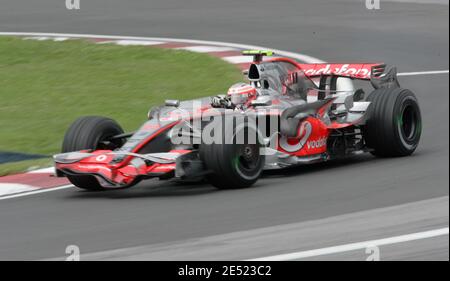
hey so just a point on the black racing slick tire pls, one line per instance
(87, 133)
(394, 123)
(234, 164)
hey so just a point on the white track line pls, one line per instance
(49, 170)
(39, 38)
(238, 59)
(423, 73)
(60, 39)
(14, 188)
(356, 246)
(207, 49)
(133, 42)
(42, 190)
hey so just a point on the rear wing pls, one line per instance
(379, 74)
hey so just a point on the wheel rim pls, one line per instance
(247, 160)
(248, 157)
(409, 123)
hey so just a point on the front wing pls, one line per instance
(101, 164)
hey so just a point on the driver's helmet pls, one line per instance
(241, 93)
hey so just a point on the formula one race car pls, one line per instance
(286, 114)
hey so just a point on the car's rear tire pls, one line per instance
(394, 123)
(233, 165)
(87, 133)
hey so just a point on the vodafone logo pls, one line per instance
(317, 143)
(357, 70)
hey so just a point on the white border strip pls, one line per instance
(133, 42)
(356, 246)
(14, 188)
(207, 49)
(41, 190)
(49, 170)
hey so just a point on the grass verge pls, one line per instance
(46, 85)
(14, 167)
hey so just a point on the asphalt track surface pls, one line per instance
(299, 209)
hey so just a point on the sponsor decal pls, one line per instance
(357, 70)
(317, 143)
(305, 130)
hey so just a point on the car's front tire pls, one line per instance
(88, 133)
(233, 165)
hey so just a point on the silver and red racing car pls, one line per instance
(286, 114)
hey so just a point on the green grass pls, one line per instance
(14, 167)
(46, 85)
